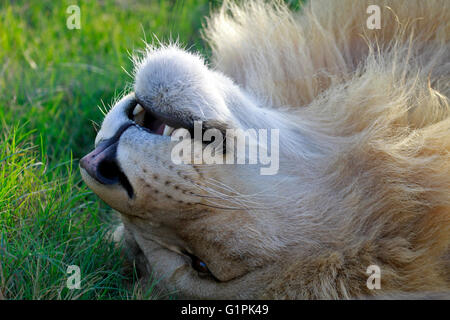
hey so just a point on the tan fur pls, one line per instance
(364, 177)
(386, 106)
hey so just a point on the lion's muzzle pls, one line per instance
(101, 163)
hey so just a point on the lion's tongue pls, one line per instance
(160, 129)
(157, 127)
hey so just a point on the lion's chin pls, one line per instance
(114, 195)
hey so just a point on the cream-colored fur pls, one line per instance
(364, 174)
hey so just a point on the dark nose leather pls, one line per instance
(101, 163)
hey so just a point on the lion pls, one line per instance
(360, 204)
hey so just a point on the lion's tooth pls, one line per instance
(138, 109)
(167, 130)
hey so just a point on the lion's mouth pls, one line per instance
(155, 122)
(101, 163)
(150, 122)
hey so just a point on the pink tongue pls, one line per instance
(157, 127)
(159, 130)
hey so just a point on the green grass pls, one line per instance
(52, 82)
(49, 221)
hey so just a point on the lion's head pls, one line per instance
(208, 230)
(358, 174)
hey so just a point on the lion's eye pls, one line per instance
(200, 266)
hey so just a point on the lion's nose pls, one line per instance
(101, 163)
